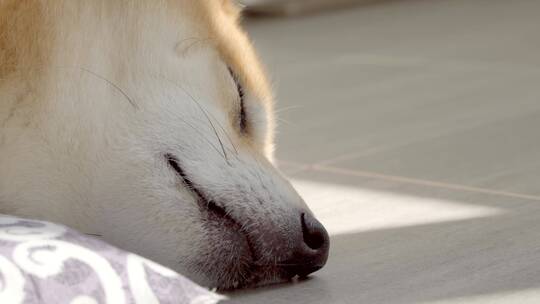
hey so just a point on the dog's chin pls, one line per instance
(233, 277)
(228, 259)
(255, 277)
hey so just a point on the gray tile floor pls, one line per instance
(412, 128)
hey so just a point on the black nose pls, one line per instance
(312, 254)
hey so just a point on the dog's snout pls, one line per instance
(312, 254)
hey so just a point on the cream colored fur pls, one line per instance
(95, 93)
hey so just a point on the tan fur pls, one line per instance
(21, 35)
(222, 20)
(27, 37)
(234, 44)
(24, 41)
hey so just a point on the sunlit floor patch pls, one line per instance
(345, 209)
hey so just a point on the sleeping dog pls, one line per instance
(150, 123)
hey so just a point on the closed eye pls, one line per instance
(242, 116)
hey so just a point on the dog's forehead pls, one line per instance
(218, 21)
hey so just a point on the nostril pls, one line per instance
(314, 233)
(312, 252)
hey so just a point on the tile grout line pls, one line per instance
(421, 182)
(412, 181)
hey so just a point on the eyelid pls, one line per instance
(241, 95)
(238, 83)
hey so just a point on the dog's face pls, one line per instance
(152, 126)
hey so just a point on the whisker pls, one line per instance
(201, 108)
(91, 73)
(202, 135)
(225, 132)
(286, 122)
(195, 40)
(212, 125)
(111, 84)
(284, 109)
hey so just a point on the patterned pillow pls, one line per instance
(42, 262)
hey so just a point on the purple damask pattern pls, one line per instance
(42, 262)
